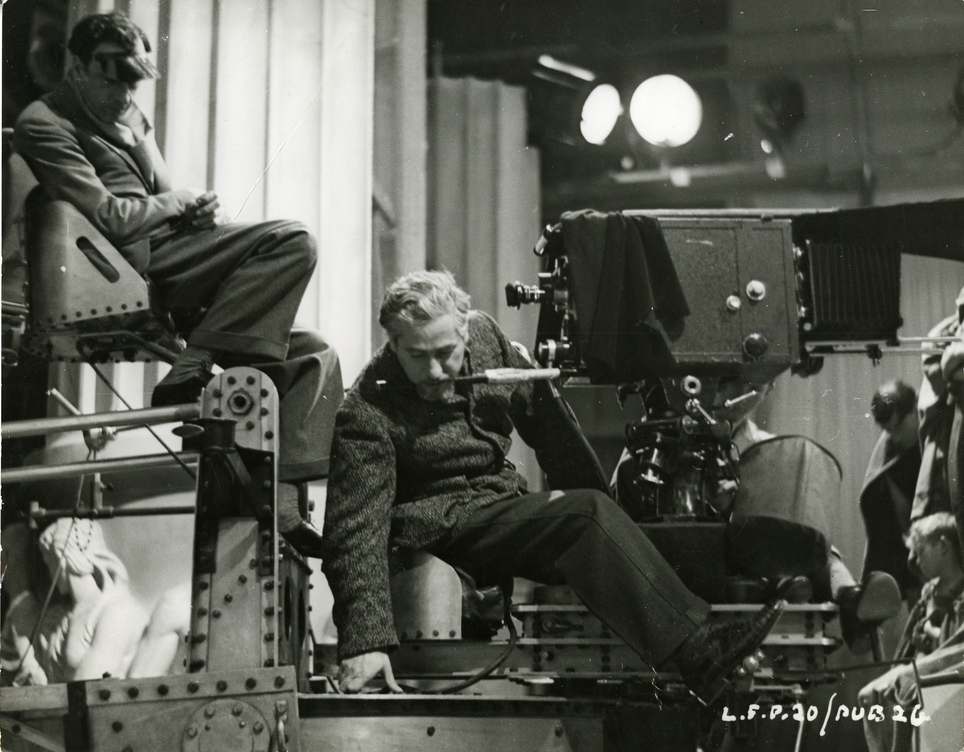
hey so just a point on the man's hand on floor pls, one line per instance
(355, 672)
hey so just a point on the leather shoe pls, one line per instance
(707, 658)
(183, 383)
(306, 539)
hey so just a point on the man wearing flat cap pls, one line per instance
(232, 289)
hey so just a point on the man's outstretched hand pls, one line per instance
(355, 672)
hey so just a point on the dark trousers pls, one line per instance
(248, 279)
(239, 286)
(310, 386)
(583, 539)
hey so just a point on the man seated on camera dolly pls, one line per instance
(232, 288)
(419, 461)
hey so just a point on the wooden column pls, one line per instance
(339, 297)
(399, 146)
(483, 204)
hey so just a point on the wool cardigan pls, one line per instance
(408, 472)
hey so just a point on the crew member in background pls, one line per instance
(933, 637)
(419, 461)
(232, 289)
(888, 491)
(941, 408)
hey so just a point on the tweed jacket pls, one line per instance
(406, 472)
(125, 192)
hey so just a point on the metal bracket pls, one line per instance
(30, 734)
(236, 549)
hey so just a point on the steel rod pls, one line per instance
(842, 349)
(710, 170)
(63, 401)
(147, 416)
(925, 340)
(49, 472)
(109, 512)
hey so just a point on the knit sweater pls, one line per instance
(408, 472)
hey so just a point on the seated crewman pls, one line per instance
(235, 288)
(419, 461)
(933, 636)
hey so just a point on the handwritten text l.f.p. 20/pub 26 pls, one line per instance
(800, 713)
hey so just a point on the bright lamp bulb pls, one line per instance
(600, 112)
(666, 111)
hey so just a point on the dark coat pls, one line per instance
(406, 472)
(885, 550)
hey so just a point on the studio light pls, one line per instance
(570, 105)
(666, 111)
(778, 110)
(600, 112)
(548, 61)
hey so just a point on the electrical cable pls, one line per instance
(153, 433)
(474, 678)
(47, 599)
(866, 666)
(570, 418)
(488, 670)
